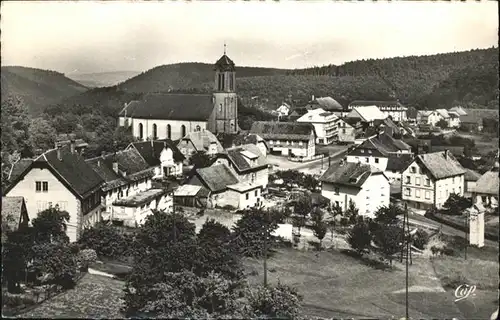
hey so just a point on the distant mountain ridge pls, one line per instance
(37, 88)
(102, 79)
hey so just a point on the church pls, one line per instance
(173, 115)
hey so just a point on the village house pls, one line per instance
(225, 190)
(346, 132)
(458, 110)
(200, 141)
(328, 104)
(61, 177)
(470, 178)
(292, 139)
(367, 114)
(233, 140)
(393, 109)
(429, 117)
(162, 155)
(362, 184)
(283, 110)
(14, 213)
(326, 125)
(430, 179)
(486, 190)
(411, 115)
(247, 163)
(453, 120)
(471, 122)
(125, 174)
(173, 115)
(378, 151)
(191, 196)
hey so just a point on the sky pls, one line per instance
(87, 37)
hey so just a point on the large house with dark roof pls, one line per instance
(363, 184)
(430, 178)
(173, 115)
(393, 109)
(60, 177)
(383, 152)
(293, 139)
(199, 141)
(162, 155)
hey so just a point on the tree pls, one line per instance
(55, 262)
(334, 211)
(106, 240)
(41, 134)
(15, 122)
(456, 204)
(442, 124)
(352, 212)
(389, 240)
(360, 237)
(218, 251)
(16, 252)
(302, 208)
(278, 301)
(50, 226)
(251, 230)
(388, 214)
(319, 225)
(200, 159)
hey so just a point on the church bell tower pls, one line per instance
(225, 98)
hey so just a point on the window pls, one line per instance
(460, 190)
(407, 192)
(220, 107)
(256, 193)
(292, 143)
(270, 141)
(421, 170)
(453, 180)
(376, 160)
(453, 190)
(288, 143)
(247, 195)
(362, 150)
(427, 182)
(336, 191)
(45, 186)
(198, 128)
(427, 195)
(231, 83)
(408, 180)
(300, 143)
(367, 160)
(413, 170)
(141, 131)
(253, 177)
(343, 130)
(169, 131)
(417, 181)
(183, 130)
(337, 203)
(38, 186)
(155, 131)
(417, 193)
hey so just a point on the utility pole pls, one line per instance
(407, 253)
(265, 247)
(466, 233)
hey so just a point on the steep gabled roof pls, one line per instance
(12, 208)
(329, 104)
(399, 162)
(224, 64)
(202, 140)
(367, 113)
(18, 168)
(151, 150)
(246, 157)
(385, 144)
(488, 182)
(283, 130)
(216, 178)
(317, 115)
(443, 113)
(171, 106)
(471, 175)
(71, 170)
(349, 174)
(458, 110)
(441, 165)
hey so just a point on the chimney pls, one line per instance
(115, 166)
(58, 150)
(446, 154)
(72, 145)
(165, 144)
(312, 97)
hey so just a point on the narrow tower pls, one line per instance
(225, 98)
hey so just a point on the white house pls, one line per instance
(383, 152)
(243, 138)
(346, 132)
(430, 117)
(283, 110)
(162, 155)
(247, 163)
(134, 210)
(430, 179)
(173, 115)
(225, 189)
(365, 185)
(454, 119)
(287, 138)
(486, 190)
(326, 125)
(393, 109)
(125, 174)
(366, 114)
(199, 141)
(458, 110)
(60, 177)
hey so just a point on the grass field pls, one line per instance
(93, 297)
(337, 285)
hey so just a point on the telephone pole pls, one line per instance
(265, 247)
(407, 254)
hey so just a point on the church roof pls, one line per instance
(224, 64)
(172, 106)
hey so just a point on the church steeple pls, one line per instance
(225, 74)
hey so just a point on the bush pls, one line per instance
(420, 239)
(74, 248)
(454, 281)
(85, 258)
(11, 300)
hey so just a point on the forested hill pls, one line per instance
(182, 76)
(37, 88)
(442, 80)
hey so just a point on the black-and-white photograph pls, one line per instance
(250, 159)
